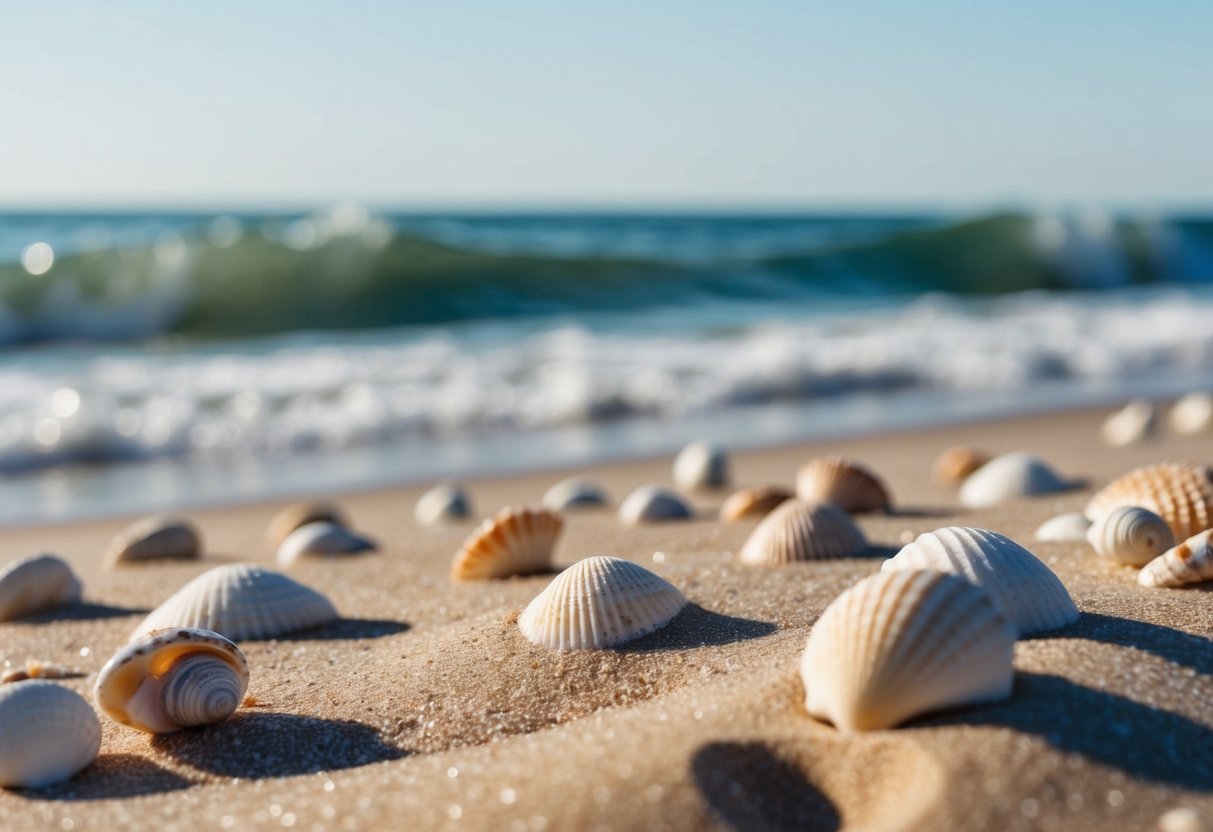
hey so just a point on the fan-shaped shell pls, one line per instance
(50, 733)
(901, 644)
(240, 601)
(574, 493)
(1178, 492)
(1022, 587)
(799, 531)
(756, 501)
(1193, 413)
(444, 503)
(518, 541)
(652, 503)
(301, 514)
(846, 484)
(173, 679)
(36, 584)
(1070, 526)
(600, 602)
(1007, 477)
(1131, 535)
(701, 465)
(318, 540)
(1134, 422)
(1191, 562)
(155, 538)
(954, 464)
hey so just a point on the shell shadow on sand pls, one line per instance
(348, 628)
(1175, 646)
(82, 611)
(697, 627)
(114, 776)
(748, 787)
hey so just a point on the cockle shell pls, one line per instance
(1007, 477)
(1131, 535)
(49, 734)
(518, 541)
(1134, 422)
(574, 493)
(36, 584)
(38, 669)
(900, 644)
(701, 465)
(756, 501)
(1070, 526)
(240, 601)
(1193, 413)
(171, 679)
(799, 531)
(1191, 562)
(301, 514)
(600, 602)
(846, 484)
(319, 540)
(155, 538)
(652, 503)
(1022, 587)
(954, 464)
(444, 503)
(1178, 492)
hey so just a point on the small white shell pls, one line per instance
(1178, 492)
(318, 540)
(518, 541)
(600, 602)
(651, 503)
(1071, 526)
(36, 584)
(1007, 477)
(155, 538)
(444, 503)
(1131, 535)
(756, 501)
(843, 482)
(301, 514)
(1023, 588)
(800, 531)
(1134, 422)
(1191, 562)
(701, 465)
(50, 733)
(900, 644)
(574, 493)
(1193, 413)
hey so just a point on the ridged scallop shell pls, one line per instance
(155, 538)
(49, 734)
(171, 679)
(518, 541)
(846, 484)
(36, 584)
(1191, 562)
(901, 644)
(800, 531)
(600, 602)
(1178, 492)
(1023, 588)
(1070, 526)
(574, 493)
(954, 464)
(320, 540)
(1134, 422)
(301, 514)
(652, 503)
(1193, 413)
(756, 501)
(240, 601)
(1131, 535)
(1008, 477)
(701, 465)
(444, 503)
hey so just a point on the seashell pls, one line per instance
(1193, 413)
(50, 733)
(1180, 493)
(701, 465)
(171, 679)
(1185, 819)
(317, 540)
(155, 538)
(36, 584)
(240, 601)
(954, 464)
(651, 503)
(756, 501)
(444, 503)
(1191, 562)
(301, 514)
(1133, 423)
(38, 669)
(574, 493)
(1131, 535)
(900, 644)
(1007, 477)
(1071, 526)
(799, 531)
(598, 603)
(1022, 587)
(518, 541)
(846, 484)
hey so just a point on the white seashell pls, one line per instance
(301, 514)
(598, 603)
(757, 501)
(1131, 535)
(574, 493)
(318, 540)
(36, 584)
(1191, 562)
(49, 734)
(954, 464)
(1023, 588)
(171, 679)
(799, 531)
(701, 465)
(1071, 526)
(901, 644)
(1134, 422)
(518, 541)
(1007, 477)
(1193, 413)
(846, 484)
(38, 669)
(240, 601)
(155, 538)
(1180, 493)
(1185, 819)
(651, 503)
(444, 503)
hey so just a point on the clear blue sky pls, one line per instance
(613, 103)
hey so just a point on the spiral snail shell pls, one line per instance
(1131, 535)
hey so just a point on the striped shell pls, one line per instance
(652, 503)
(518, 541)
(1131, 535)
(901, 644)
(574, 493)
(322, 540)
(155, 538)
(173, 679)
(701, 465)
(1134, 422)
(800, 531)
(241, 601)
(954, 464)
(1178, 492)
(49, 734)
(598, 603)
(36, 584)
(1191, 562)
(1022, 587)
(1007, 477)
(1193, 413)
(444, 503)
(301, 514)
(756, 501)
(1071, 526)
(846, 484)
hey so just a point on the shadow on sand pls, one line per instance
(113, 776)
(348, 628)
(83, 611)
(747, 787)
(697, 627)
(1175, 646)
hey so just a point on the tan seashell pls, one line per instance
(1022, 587)
(444, 503)
(1131, 535)
(518, 541)
(901, 644)
(1070, 526)
(301, 514)
(800, 531)
(50, 733)
(701, 465)
(240, 601)
(954, 464)
(155, 538)
(321, 540)
(756, 501)
(38, 669)
(846, 484)
(36, 584)
(1192, 414)
(600, 602)
(1185, 819)
(1136, 421)
(171, 679)
(652, 504)
(574, 493)
(1180, 493)
(1009, 477)
(1191, 562)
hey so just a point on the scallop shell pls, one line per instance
(1134, 422)
(901, 644)
(598, 603)
(1191, 562)
(36, 584)
(1070, 526)
(1180, 493)
(518, 541)
(155, 538)
(50, 733)
(846, 484)
(240, 601)
(652, 503)
(799, 531)
(1007, 477)
(757, 501)
(954, 464)
(1131, 535)
(574, 493)
(1193, 413)
(172, 679)
(301, 514)
(1023, 588)
(444, 503)
(701, 465)
(318, 540)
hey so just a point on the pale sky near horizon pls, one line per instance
(615, 104)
